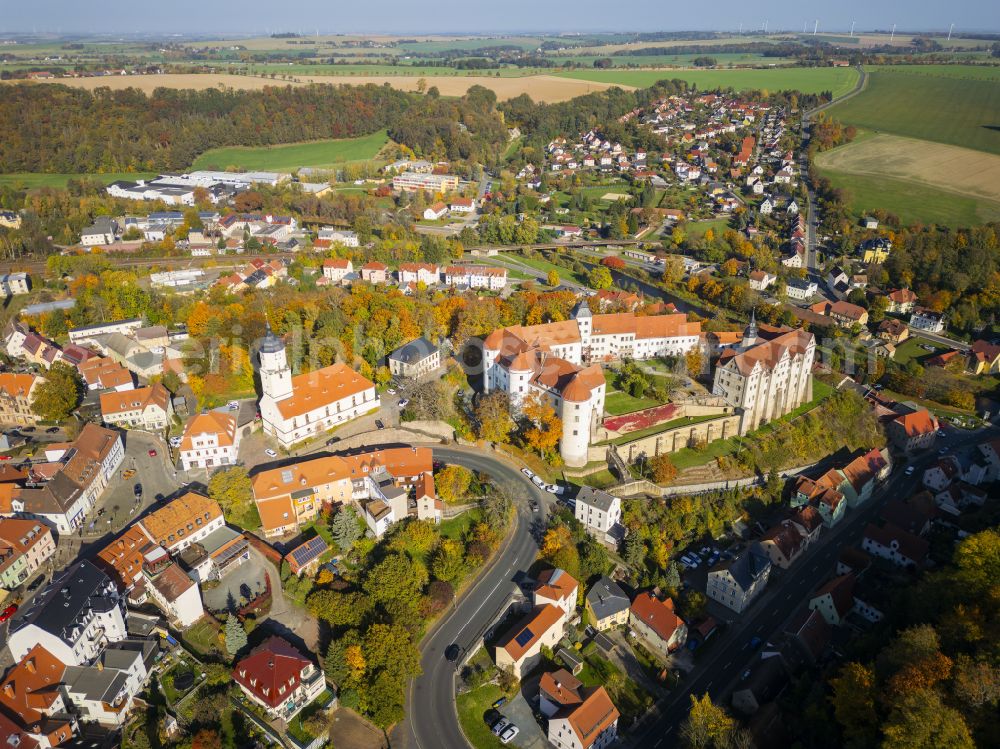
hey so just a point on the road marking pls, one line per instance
(730, 663)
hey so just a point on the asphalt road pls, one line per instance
(786, 593)
(432, 717)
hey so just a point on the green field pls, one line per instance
(912, 202)
(675, 61)
(321, 153)
(839, 81)
(617, 403)
(31, 180)
(954, 104)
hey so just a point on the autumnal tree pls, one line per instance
(452, 483)
(339, 609)
(559, 549)
(663, 469)
(58, 393)
(206, 738)
(448, 562)
(495, 423)
(921, 720)
(232, 489)
(599, 278)
(853, 699)
(553, 278)
(707, 725)
(694, 361)
(544, 429)
(397, 578)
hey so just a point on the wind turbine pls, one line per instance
(949, 31)
(852, 28)
(893, 34)
(816, 27)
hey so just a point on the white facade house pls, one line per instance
(476, 277)
(336, 269)
(736, 583)
(103, 693)
(559, 362)
(74, 617)
(149, 408)
(424, 273)
(415, 359)
(800, 290)
(766, 379)
(89, 332)
(927, 320)
(210, 439)
(599, 511)
(296, 408)
(338, 236)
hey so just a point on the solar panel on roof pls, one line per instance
(524, 638)
(308, 551)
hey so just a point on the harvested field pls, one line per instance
(539, 87)
(611, 197)
(951, 168)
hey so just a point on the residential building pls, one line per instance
(89, 332)
(73, 618)
(210, 439)
(558, 588)
(294, 409)
(24, 546)
(875, 251)
(842, 313)
(279, 679)
(435, 211)
(475, 277)
(913, 431)
(547, 361)
(17, 392)
(425, 273)
(766, 379)
(927, 320)
(85, 468)
(176, 594)
(589, 722)
(415, 359)
(102, 373)
(337, 269)
(12, 284)
(338, 236)
(147, 408)
(607, 604)
(984, 358)
(600, 512)
(862, 474)
(102, 231)
(103, 693)
(901, 301)
(184, 521)
(824, 494)
(462, 205)
(656, 622)
(520, 650)
(810, 632)
(24, 343)
(737, 582)
(304, 558)
(375, 272)
(834, 600)
(800, 290)
(294, 494)
(766, 681)
(893, 331)
(892, 543)
(784, 544)
(30, 698)
(761, 280)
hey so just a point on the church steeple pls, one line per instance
(275, 374)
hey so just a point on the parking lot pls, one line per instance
(230, 590)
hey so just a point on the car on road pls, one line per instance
(527, 472)
(8, 612)
(755, 642)
(128, 473)
(379, 424)
(137, 490)
(5, 457)
(745, 675)
(391, 391)
(940, 433)
(37, 584)
(151, 453)
(404, 403)
(52, 430)
(270, 453)
(537, 481)
(452, 652)
(509, 733)
(555, 489)
(233, 405)
(943, 451)
(332, 440)
(909, 470)
(27, 429)
(534, 506)
(499, 703)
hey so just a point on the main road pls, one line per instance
(432, 716)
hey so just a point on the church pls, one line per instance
(302, 407)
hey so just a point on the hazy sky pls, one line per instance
(487, 16)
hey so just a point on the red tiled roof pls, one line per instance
(658, 615)
(272, 671)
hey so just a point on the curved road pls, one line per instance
(431, 715)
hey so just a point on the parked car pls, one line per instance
(233, 405)
(499, 703)
(8, 612)
(755, 642)
(391, 391)
(500, 726)
(52, 430)
(537, 481)
(27, 429)
(137, 490)
(5, 457)
(37, 584)
(555, 489)
(508, 734)
(452, 652)
(151, 453)
(332, 441)
(527, 472)
(404, 403)
(175, 441)
(909, 470)
(270, 453)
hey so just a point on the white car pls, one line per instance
(527, 472)
(909, 470)
(270, 453)
(391, 391)
(175, 441)
(233, 405)
(404, 403)
(538, 482)
(509, 733)
(555, 489)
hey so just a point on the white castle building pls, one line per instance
(768, 375)
(293, 409)
(561, 362)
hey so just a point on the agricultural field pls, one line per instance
(675, 61)
(323, 153)
(839, 81)
(916, 180)
(954, 104)
(549, 88)
(32, 180)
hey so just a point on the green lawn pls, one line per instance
(296, 727)
(545, 266)
(911, 349)
(320, 153)
(839, 81)
(697, 229)
(630, 699)
(203, 636)
(912, 202)
(618, 403)
(943, 103)
(31, 180)
(599, 479)
(455, 528)
(472, 708)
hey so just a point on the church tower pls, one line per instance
(275, 374)
(584, 318)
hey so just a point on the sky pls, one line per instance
(252, 17)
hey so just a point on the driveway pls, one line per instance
(518, 711)
(250, 573)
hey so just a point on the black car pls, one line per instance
(52, 430)
(137, 490)
(37, 584)
(379, 424)
(332, 441)
(452, 652)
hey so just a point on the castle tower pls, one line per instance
(750, 332)
(584, 318)
(275, 374)
(576, 413)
